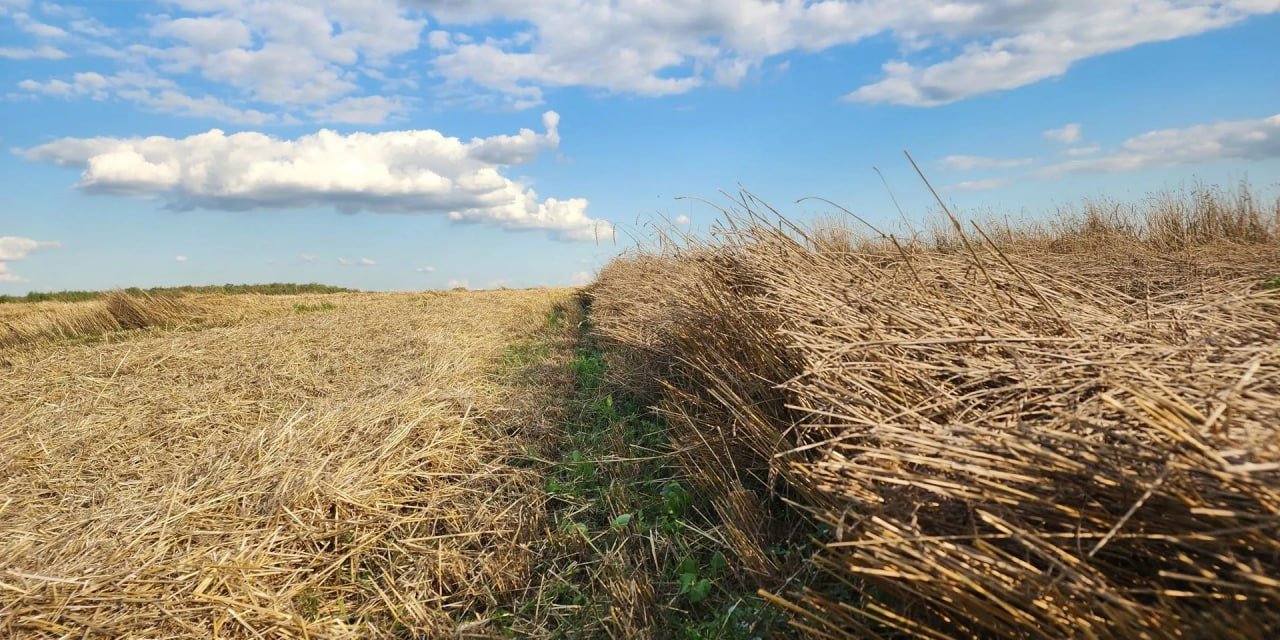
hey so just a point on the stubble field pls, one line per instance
(316, 466)
(1068, 427)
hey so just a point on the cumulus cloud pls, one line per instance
(409, 172)
(1256, 139)
(366, 262)
(682, 220)
(13, 248)
(970, 163)
(345, 262)
(425, 269)
(1011, 43)
(288, 57)
(652, 48)
(458, 284)
(180, 258)
(671, 46)
(294, 58)
(286, 52)
(206, 35)
(1067, 134)
(307, 257)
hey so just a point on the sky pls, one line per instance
(424, 144)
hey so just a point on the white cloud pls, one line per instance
(176, 102)
(980, 185)
(407, 172)
(155, 93)
(425, 269)
(285, 57)
(89, 83)
(1236, 139)
(663, 47)
(366, 262)
(276, 73)
(206, 35)
(92, 27)
(682, 220)
(455, 284)
(307, 258)
(44, 52)
(1029, 42)
(6, 5)
(272, 60)
(14, 248)
(49, 8)
(180, 258)
(18, 248)
(37, 28)
(970, 163)
(362, 110)
(439, 40)
(344, 262)
(581, 278)
(1067, 134)
(286, 52)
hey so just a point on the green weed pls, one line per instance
(312, 308)
(615, 486)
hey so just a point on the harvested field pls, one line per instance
(1070, 430)
(296, 469)
(117, 311)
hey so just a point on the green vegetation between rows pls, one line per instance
(271, 289)
(633, 551)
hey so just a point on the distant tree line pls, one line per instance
(271, 289)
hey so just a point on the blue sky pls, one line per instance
(416, 144)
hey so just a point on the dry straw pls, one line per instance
(336, 473)
(121, 311)
(1069, 429)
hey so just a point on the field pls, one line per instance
(1066, 427)
(333, 466)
